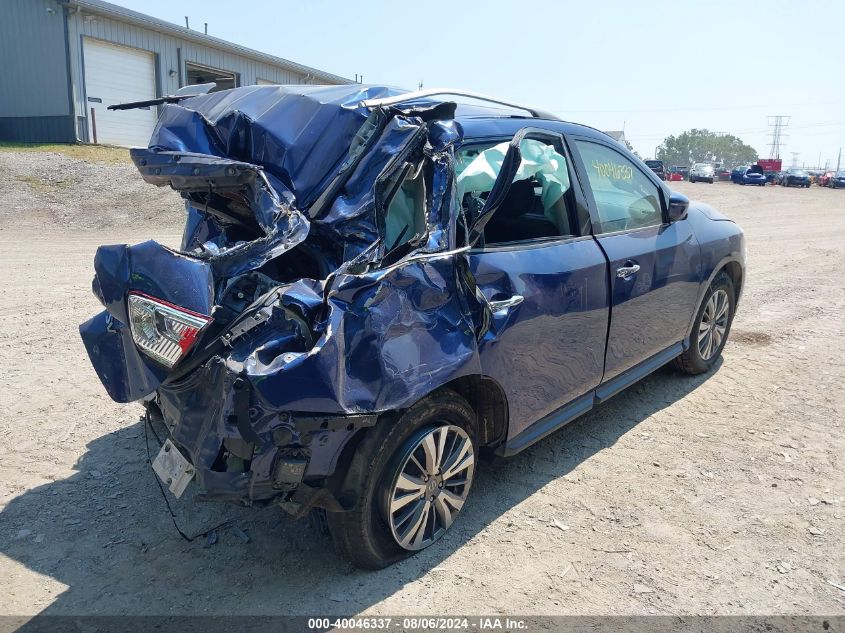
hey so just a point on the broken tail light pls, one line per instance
(161, 330)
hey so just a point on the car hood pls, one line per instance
(708, 211)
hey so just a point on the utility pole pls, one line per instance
(779, 123)
(839, 160)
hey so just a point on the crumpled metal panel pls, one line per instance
(155, 270)
(389, 337)
(351, 217)
(385, 328)
(299, 134)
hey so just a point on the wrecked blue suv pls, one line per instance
(373, 286)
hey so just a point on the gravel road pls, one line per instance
(720, 494)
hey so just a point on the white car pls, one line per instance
(702, 171)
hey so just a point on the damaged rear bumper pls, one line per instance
(247, 453)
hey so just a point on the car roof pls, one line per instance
(476, 127)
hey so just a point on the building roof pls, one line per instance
(140, 19)
(616, 135)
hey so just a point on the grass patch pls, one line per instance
(45, 186)
(100, 154)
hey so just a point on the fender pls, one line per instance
(706, 285)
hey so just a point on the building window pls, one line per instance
(198, 74)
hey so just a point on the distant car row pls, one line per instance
(746, 175)
(751, 174)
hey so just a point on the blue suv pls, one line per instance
(373, 286)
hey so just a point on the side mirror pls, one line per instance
(678, 206)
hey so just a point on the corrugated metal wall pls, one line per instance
(34, 100)
(39, 48)
(172, 54)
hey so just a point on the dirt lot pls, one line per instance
(722, 494)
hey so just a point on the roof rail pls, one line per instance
(431, 92)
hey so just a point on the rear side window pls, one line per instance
(625, 197)
(405, 216)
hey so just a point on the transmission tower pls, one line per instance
(778, 123)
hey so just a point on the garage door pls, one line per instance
(117, 74)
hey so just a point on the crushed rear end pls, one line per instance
(283, 324)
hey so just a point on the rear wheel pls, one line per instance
(409, 480)
(711, 328)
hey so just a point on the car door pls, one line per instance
(654, 264)
(545, 280)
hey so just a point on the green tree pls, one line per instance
(704, 146)
(631, 148)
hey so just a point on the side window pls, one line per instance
(625, 197)
(539, 203)
(405, 216)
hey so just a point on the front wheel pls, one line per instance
(711, 328)
(408, 481)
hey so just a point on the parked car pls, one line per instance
(702, 171)
(723, 174)
(400, 284)
(824, 178)
(795, 178)
(674, 174)
(837, 180)
(748, 175)
(657, 167)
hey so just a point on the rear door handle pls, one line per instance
(504, 304)
(627, 271)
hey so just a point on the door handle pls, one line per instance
(504, 304)
(627, 271)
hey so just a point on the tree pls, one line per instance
(631, 148)
(704, 146)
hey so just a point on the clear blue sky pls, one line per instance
(657, 68)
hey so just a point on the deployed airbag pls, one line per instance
(539, 160)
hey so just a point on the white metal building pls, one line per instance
(66, 61)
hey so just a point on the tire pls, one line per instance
(365, 534)
(691, 361)
(692, 179)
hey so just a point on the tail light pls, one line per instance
(163, 331)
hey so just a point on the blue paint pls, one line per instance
(350, 325)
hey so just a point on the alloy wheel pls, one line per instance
(430, 486)
(714, 324)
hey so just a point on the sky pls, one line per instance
(652, 68)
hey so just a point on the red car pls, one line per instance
(824, 179)
(673, 174)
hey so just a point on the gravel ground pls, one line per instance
(720, 494)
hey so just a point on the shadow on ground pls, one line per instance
(106, 533)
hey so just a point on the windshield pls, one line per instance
(654, 163)
(703, 166)
(797, 172)
(840, 174)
